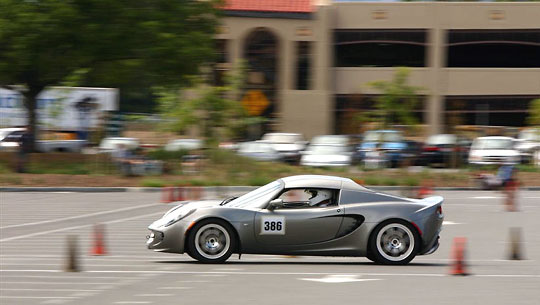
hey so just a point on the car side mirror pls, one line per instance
(276, 203)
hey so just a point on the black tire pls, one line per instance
(218, 234)
(403, 233)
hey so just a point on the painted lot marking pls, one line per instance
(338, 278)
(448, 223)
(80, 216)
(275, 273)
(76, 227)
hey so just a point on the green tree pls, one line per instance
(534, 113)
(396, 102)
(214, 110)
(116, 42)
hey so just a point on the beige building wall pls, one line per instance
(311, 112)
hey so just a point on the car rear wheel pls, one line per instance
(394, 242)
(211, 241)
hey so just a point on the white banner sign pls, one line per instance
(60, 108)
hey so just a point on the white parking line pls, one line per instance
(75, 227)
(58, 283)
(42, 289)
(28, 297)
(80, 216)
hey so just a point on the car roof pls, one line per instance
(322, 181)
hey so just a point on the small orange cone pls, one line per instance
(167, 194)
(99, 243)
(458, 252)
(179, 194)
(424, 190)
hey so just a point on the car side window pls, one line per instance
(300, 198)
(352, 197)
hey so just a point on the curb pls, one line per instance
(215, 188)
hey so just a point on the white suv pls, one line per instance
(493, 150)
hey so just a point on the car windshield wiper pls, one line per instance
(227, 200)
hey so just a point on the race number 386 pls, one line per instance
(273, 225)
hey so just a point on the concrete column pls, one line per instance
(436, 63)
(322, 51)
(286, 58)
(234, 50)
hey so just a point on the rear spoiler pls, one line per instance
(430, 202)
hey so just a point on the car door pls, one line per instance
(298, 225)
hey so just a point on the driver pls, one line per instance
(320, 198)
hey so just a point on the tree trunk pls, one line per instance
(30, 102)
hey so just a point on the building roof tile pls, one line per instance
(287, 6)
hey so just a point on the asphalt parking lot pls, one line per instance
(34, 228)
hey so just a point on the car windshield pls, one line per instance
(281, 138)
(378, 136)
(327, 149)
(494, 144)
(257, 198)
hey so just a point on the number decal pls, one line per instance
(273, 225)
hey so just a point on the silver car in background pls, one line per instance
(303, 215)
(328, 151)
(288, 145)
(258, 150)
(493, 150)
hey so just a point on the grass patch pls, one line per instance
(153, 182)
(10, 179)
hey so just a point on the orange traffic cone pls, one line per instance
(424, 190)
(167, 194)
(179, 194)
(458, 252)
(99, 243)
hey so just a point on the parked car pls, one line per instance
(10, 138)
(184, 144)
(328, 150)
(528, 142)
(258, 150)
(493, 150)
(390, 142)
(288, 145)
(445, 149)
(112, 144)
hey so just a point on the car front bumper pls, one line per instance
(167, 239)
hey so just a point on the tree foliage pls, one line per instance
(534, 113)
(214, 110)
(146, 43)
(396, 102)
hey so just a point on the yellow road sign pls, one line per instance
(255, 102)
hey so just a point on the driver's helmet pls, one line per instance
(318, 196)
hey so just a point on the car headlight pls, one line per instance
(174, 216)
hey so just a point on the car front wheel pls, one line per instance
(211, 241)
(394, 242)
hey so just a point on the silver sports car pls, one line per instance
(303, 215)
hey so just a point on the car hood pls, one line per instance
(286, 147)
(183, 208)
(495, 152)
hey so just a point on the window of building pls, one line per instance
(303, 65)
(487, 110)
(380, 48)
(494, 49)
